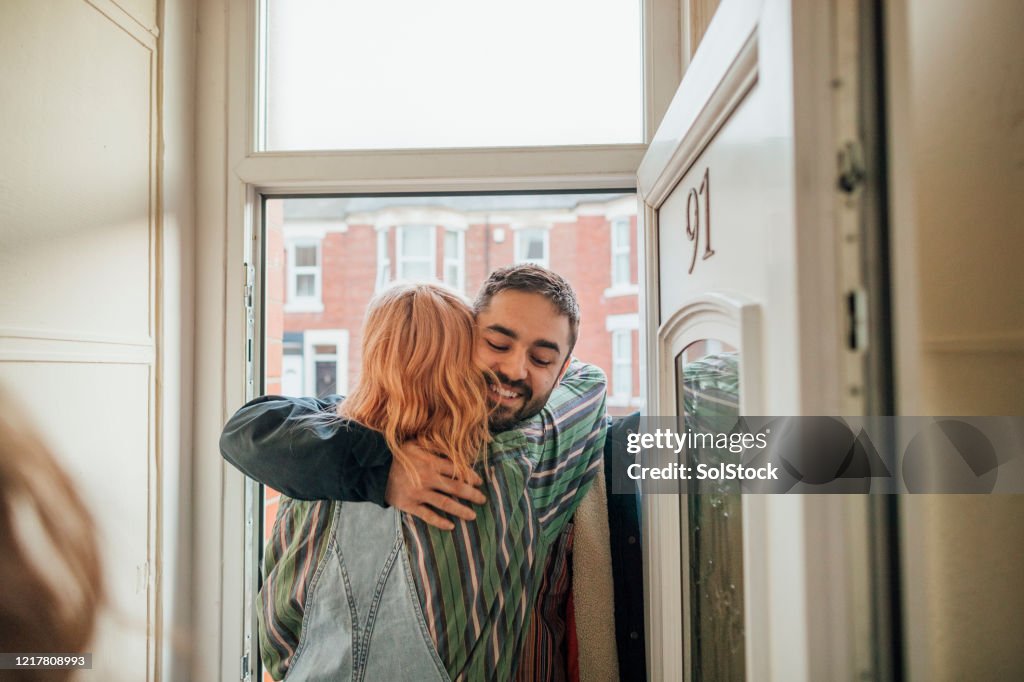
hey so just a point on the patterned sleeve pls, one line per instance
(567, 439)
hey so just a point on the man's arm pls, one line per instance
(568, 440)
(273, 440)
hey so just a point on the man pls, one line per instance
(528, 352)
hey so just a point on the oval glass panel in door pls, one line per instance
(707, 393)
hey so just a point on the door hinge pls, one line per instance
(851, 166)
(857, 320)
(245, 667)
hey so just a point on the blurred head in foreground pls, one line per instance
(50, 579)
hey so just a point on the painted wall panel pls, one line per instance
(97, 420)
(75, 185)
(143, 11)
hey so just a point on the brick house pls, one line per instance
(327, 256)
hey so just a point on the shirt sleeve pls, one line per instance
(273, 440)
(567, 440)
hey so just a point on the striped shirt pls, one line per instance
(477, 583)
(545, 655)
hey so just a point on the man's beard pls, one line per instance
(504, 418)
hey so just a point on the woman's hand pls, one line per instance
(436, 491)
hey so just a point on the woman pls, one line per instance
(356, 591)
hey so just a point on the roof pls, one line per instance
(340, 207)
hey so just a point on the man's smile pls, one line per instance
(504, 395)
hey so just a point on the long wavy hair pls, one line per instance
(420, 380)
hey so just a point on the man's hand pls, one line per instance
(436, 489)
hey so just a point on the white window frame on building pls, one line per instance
(402, 260)
(621, 328)
(233, 177)
(520, 256)
(294, 303)
(622, 249)
(620, 216)
(622, 364)
(383, 259)
(455, 261)
(311, 339)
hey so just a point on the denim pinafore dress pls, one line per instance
(363, 619)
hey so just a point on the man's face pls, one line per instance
(524, 340)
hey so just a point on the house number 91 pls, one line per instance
(694, 219)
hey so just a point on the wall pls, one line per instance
(957, 119)
(95, 224)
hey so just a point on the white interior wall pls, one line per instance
(95, 227)
(957, 117)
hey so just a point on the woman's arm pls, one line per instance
(273, 440)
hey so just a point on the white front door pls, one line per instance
(753, 255)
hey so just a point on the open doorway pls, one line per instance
(324, 258)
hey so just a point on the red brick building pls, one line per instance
(327, 256)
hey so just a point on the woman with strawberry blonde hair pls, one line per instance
(420, 382)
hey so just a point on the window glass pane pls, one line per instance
(305, 256)
(451, 244)
(305, 285)
(416, 242)
(622, 380)
(707, 386)
(451, 275)
(620, 269)
(622, 363)
(531, 246)
(535, 248)
(352, 74)
(417, 271)
(620, 234)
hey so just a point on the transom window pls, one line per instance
(399, 74)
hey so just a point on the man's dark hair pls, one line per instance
(534, 279)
